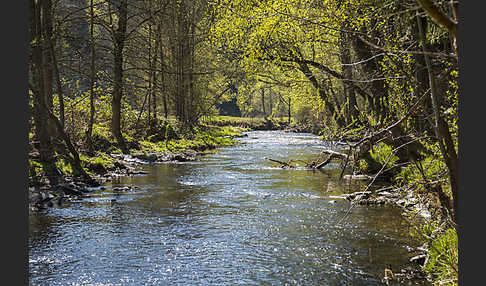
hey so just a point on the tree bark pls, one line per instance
(40, 77)
(58, 83)
(48, 69)
(92, 82)
(154, 76)
(289, 109)
(438, 17)
(163, 90)
(349, 90)
(422, 120)
(263, 102)
(441, 129)
(119, 42)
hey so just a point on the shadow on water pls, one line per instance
(230, 218)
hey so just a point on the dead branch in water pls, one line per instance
(335, 154)
(332, 155)
(284, 164)
(315, 164)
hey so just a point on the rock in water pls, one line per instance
(419, 259)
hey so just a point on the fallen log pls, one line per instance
(280, 162)
(332, 155)
(324, 163)
(335, 154)
(315, 165)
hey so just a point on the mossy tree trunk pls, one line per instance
(42, 85)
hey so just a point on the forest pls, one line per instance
(109, 78)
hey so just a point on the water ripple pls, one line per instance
(231, 218)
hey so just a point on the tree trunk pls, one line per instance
(163, 91)
(59, 85)
(154, 78)
(378, 89)
(289, 109)
(422, 120)
(270, 103)
(48, 62)
(263, 102)
(119, 41)
(39, 78)
(349, 92)
(192, 106)
(150, 85)
(92, 82)
(441, 129)
(180, 96)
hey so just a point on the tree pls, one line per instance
(41, 78)
(119, 37)
(92, 80)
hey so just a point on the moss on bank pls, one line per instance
(164, 140)
(204, 138)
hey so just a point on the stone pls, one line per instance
(419, 259)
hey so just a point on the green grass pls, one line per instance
(208, 137)
(442, 265)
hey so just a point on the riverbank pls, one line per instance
(233, 210)
(420, 203)
(163, 145)
(108, 162)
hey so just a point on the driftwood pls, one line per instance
(284, 164)
(315, 165)
(332, 155)
(335, 154)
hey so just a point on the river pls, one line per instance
(229, 218)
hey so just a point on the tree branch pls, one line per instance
(438, 17)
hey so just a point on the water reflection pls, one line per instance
(231, 218)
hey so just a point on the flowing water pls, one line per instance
(230, 218)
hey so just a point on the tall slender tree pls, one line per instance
(119, 37)
(92, 80)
